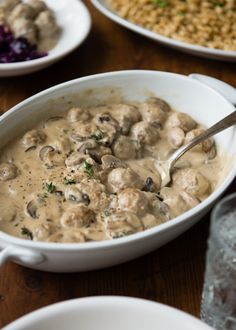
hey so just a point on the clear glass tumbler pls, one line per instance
(218, 307)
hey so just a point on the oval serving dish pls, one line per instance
(183, 93)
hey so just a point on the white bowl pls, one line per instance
(108, 313)
(75, 22)
(224, 55)
(183, 93)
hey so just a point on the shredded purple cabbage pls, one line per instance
(16, 49)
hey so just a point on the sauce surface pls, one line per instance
(92, 175)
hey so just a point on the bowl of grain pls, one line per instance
(196, 27)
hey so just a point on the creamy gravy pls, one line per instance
(91, 174)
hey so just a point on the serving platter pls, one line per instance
(74, 20)
(211, 53)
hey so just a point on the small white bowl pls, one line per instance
(74, 20)
(108, 313)
(183, 93)
(212, 53)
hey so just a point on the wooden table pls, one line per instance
(172, 275)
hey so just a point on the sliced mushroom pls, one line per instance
(95, 151)
(43, 153)
(30, 148)
(32, 209)
(149, 185)
(75, 195)
(78, 137)
(87, 145)
(109, 161)
(51, 157)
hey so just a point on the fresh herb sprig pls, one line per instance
(50, 187)
(26, 232)
(88, 168)
(69, 181)
(161, 3)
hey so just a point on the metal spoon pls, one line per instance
(165, 167)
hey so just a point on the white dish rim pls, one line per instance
(51, 246)
(106, 300)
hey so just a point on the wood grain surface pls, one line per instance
(173, 274)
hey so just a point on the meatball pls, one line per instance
(96, 194)
(175, 202)
(149, 221)
(33, 138)
(176, 137)
(203, 146)
(133, 200)
(163, 105)
(62, 144)
(67, 236)
(22, 10)
(178, 201)
(84, 131)
(37, 6)
(10, 4)
(108, 127)
(122, 223)
(154, 112)
(126, 115)
(125, 148)
(77, 216)
(181, 120)
(121, 178)
(77, 114)
(145, 132)
(43, 231)
(8, 171)
(192, 182)
(46, 24)
(23, 27)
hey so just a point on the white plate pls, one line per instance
(75, 22)
(183, 46)
(108, 313)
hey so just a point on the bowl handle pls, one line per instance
(221, 87)
(20, 254)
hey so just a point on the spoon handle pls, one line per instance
(218, 127)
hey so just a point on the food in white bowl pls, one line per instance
(108, 313)
(134, 86)
(28, 30)
(91, 174)
(58, 33)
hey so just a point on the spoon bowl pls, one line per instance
(165, 167)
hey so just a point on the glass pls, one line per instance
(219, 292)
